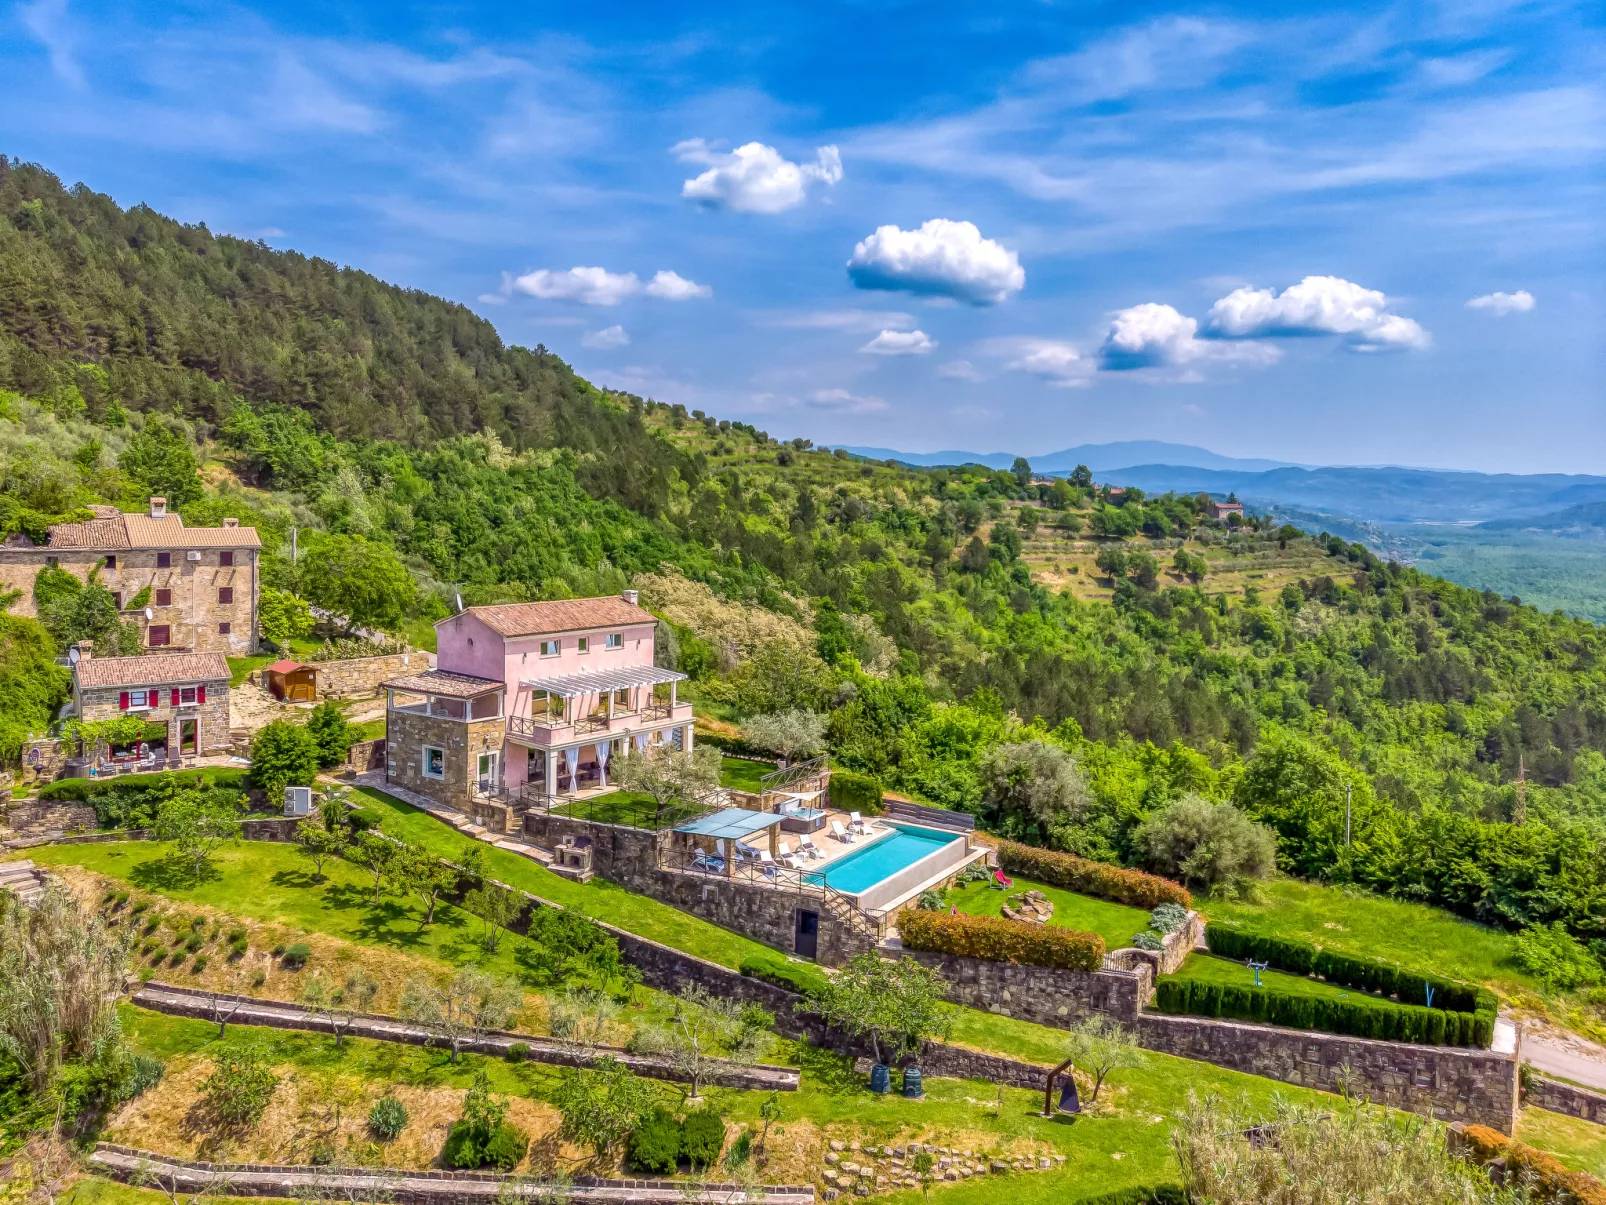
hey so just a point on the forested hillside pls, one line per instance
(931, 617)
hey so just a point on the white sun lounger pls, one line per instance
(856, 823)
(783, 851)
(766, 863)
(840, 833)
(808, 849)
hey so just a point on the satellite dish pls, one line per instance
(149, 614)
(73, 654)
(459, 602)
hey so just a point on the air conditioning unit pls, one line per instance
(192, 556)
(298, 801)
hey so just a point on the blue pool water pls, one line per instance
(864, 868)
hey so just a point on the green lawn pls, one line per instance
(831, 1096)
(1428, 940)
(623, 807)
(1580, 1144)
(743, 774)
(1237, 974)
(1115, 923)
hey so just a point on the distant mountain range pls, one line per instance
(1557, 503)
(1100, 458)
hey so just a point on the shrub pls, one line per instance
(802, 978)
(930, 901)
(702, 1137)
(1083, 875)
(295, 957)
(851, 792)
(200, 964)
(388, 1118)
(240, 1087)
(144, 1073)
(1555, 956)
(1168, 918)
(1359, 1017)
(1148, 940)
(999, 940)
(655, 1143)
(1554, 1181)
(518, 1052)
(1206, 843)
(505, 1148)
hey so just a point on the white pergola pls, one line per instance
(601, 682)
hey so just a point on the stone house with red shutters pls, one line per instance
(204, 582)
(183, 698)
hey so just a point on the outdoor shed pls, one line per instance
(292, 682)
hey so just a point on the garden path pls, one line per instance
(1557, 1052)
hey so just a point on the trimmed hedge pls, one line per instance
(1000, 940)
(793, 976)
(1134, 887)
(1554, 1181)
(1363, 974)
(851, 792)
(82, 790)
(1361, 1017)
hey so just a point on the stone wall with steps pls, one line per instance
(39, 819)
(22, 879)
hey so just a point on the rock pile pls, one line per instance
(1031, 906)
(871, 1168)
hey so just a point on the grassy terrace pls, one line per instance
(1115, 923)
(743, 774)
(1236, 974)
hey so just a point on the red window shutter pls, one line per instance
(175, 696)
(200, 694)
(122, 701)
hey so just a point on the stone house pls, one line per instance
(532, 699)
(204, 581)
(183, 698)
(1220, 510)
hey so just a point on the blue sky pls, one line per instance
(1359, 235)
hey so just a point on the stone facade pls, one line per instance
(407, 734)
(1451, 1083)
(211, 718)
(1178, 945)
(1047, 995)
(42, 760)
(1569, 1099)
(362, 675)
(366, 755)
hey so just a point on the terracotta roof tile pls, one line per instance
(157, 669)
(142, 531)
(439, 682)
(564, 615)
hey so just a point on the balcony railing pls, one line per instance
(542, 727)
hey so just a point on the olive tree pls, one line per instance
(670, 776)
(1036, 781)
(790, 734)
(1211, 845)
(473, 1002)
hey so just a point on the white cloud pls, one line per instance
(1501, 304)
(840, 401)
(900, 343)
(942, 259)
(959, 370)
(607, 339)
(1317, 305)
(1057, 361)
(671, 286)
(754, 178)
(1153, 335)
(589, 286)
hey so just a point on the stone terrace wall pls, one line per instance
(362, 675)
(366, 755)
(1566, 1098)
(1451, 1083)
(1047, 995)
(1178, 946)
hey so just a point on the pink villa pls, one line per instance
(532, 699)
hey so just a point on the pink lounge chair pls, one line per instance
(1002, 881)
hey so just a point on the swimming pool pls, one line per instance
(882, 858)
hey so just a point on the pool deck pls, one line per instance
(824, 840)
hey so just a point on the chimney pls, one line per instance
(86, 650)
(633, 597)
(231, 522)
(158, 507)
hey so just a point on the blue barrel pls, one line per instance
(912, 1087)
(880, 1079)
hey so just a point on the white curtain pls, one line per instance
(641, 742)
(571, 757)
(603, 749)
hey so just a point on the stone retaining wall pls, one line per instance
(271, 828)
(364, 756)
(362, 675)
(42, 818)
(1448, 1082)
(1046, 995)
(1178, 945)
(279, 1014)
(431, 1187)
(1561, 1097)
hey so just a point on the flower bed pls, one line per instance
(998, 940)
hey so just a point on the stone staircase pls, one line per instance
(23, 879)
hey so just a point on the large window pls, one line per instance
(434, 762)
(549, 648)
(616, 640)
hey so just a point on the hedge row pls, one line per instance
(1364, 974)
(1100, 879)
(1000, 940)
(82, 790)
(1553, 1182)
(1360, 1018)
(851, 792)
